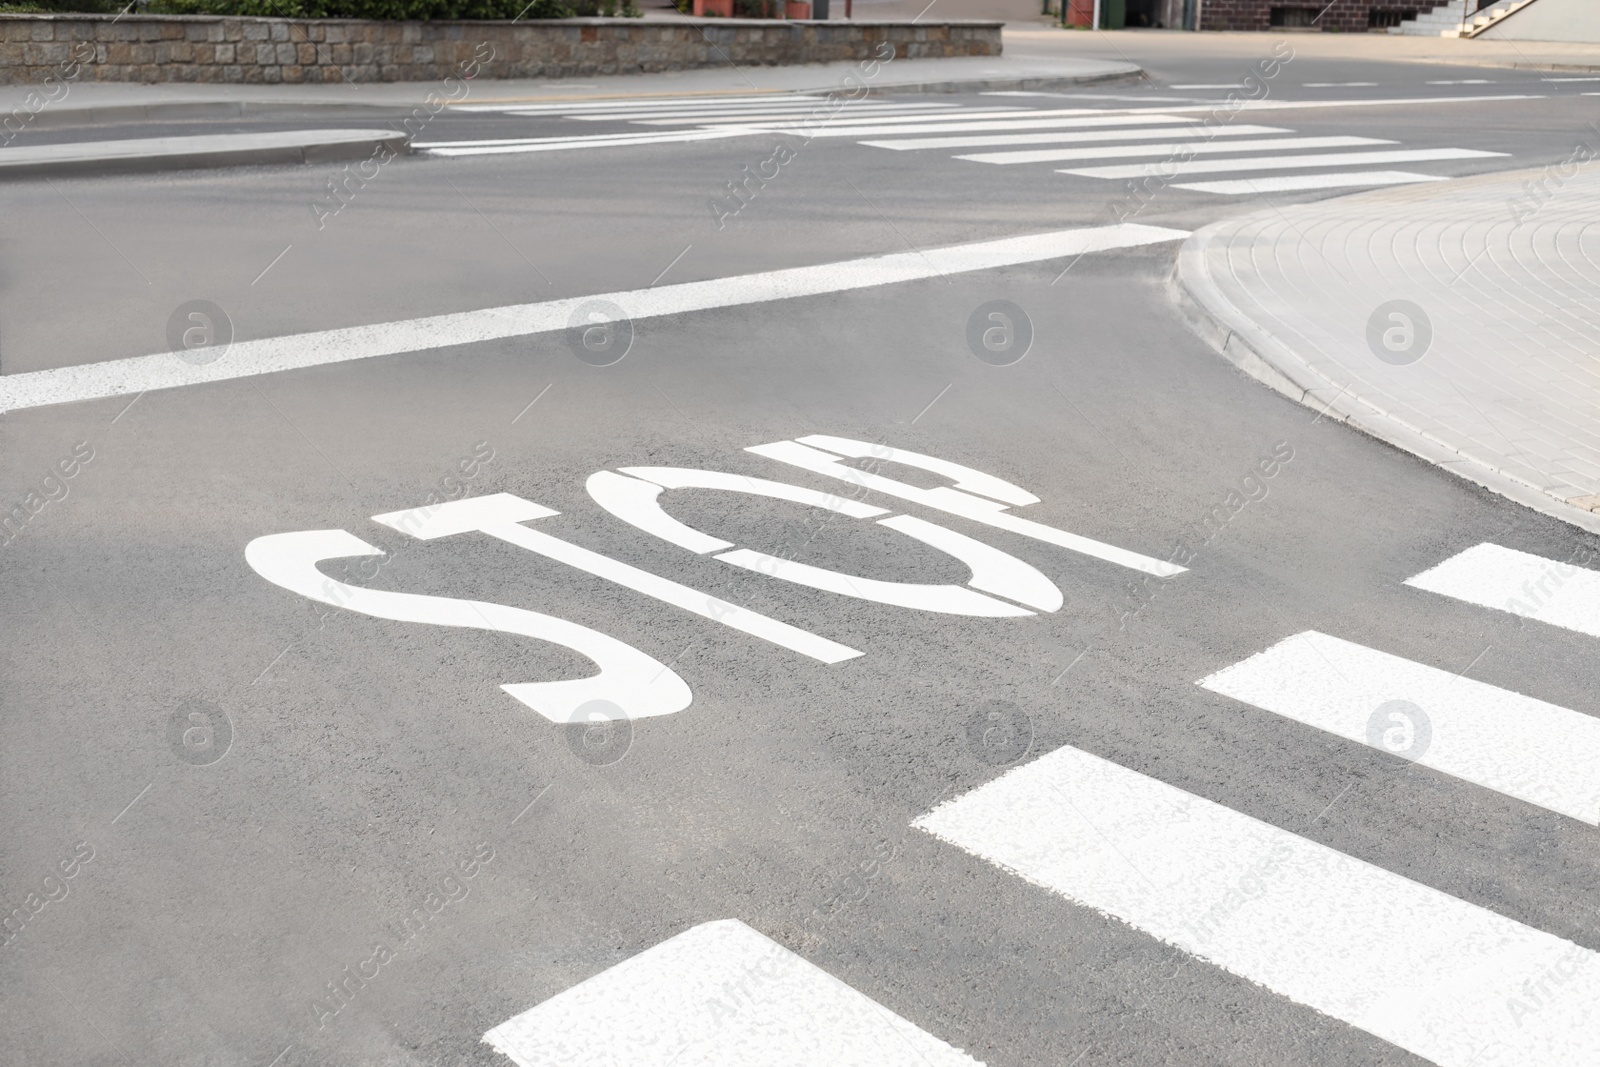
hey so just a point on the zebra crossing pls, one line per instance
(1180, 142)
(1448, 980)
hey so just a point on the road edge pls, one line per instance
(1256, 352)
(311, 151)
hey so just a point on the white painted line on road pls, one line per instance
(1338, 85)
(717, 995)
(807, 454)
(783, 114)
(962, 124)
(1447, 980)
(1570, 79)
(1209, 85)
(1462, 81)
(1329, 159)
(1073, 137)
(1525, 748)
(1291, 183)
(244, 359)
(852, 116)
(1521, 583)
(631, 102)
(1061, 155)
(516, 146)
(501, 515)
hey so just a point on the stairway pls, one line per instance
(1445, 20)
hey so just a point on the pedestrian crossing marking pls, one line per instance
(1521, 583)
(717, 995)
(1517, 745)
(1072, 137)
(1447, 980)
(1062, 155)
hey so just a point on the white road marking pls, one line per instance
(501, 515)
(905, 144)
(1519, 582)
(625, 103)
(783, 113)
(1462, 81)
(522, 145)
(1570, 79)
(717, 995)
(121, 377)
(1328, 159)
(1210, 85)
(1516, 745)
(955, 502)
(1338, 85)
(1447, 980)
(964, 124)
(640, 684)
(1061, 155)
(1280, 183)
(847, 116)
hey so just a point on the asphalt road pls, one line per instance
(354, 768)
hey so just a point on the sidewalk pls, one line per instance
(1458, 320)
(87, 102)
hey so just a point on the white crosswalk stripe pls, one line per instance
(1514, 744)
(1423, 970)
(905, 144)
(717, 995)
(1521, 583)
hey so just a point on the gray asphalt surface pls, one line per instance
(367, 758)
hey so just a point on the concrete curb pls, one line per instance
(1263, 357)
(179, 110)
(215, 150)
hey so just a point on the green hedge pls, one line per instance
(343, 9)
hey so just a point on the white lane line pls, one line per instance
(1061, 155)
(846, 116)
(1519, 582)
(1279, 183)
(1525, 748)
(1072, 137)
(245, 359)
(1209, 85)
(1570, 79)
(681, 118)
(1338, 85)
(963, 124)
(1432, 974)
(629, 102)
(511, 146)
(1327, 159)
(717, 995)
(1462, 81)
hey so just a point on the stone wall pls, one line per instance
(203, 48)
(1347, 16)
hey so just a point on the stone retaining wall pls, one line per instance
(203, 48)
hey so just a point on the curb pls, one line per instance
(116, 114)
(219, 150)
(1272, 363)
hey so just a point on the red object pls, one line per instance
(723, 8)
(1080, 12)
(797, 9)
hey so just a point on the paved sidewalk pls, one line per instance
(1458, 320)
